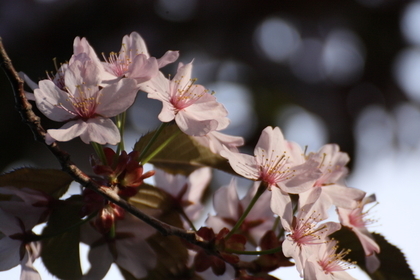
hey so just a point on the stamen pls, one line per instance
(331, 261)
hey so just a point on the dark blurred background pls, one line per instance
(341, 71)
(328, 58)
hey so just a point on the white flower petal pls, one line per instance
(117, 98)
(49, 99)
(101, 131)
(68, 131)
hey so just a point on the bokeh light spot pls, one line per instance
(238, 101)
(407, 72)
(277, 38)
(302, 127)
(410, 23)
(343, 58)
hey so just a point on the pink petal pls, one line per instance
(136, 257)
(82, 46)
(281, 205)
(9, 253)
(28, 81)
(217, 223)
(191, 126)
(168, 57)
(270, 140)
(305, 176)
(100, 259)
(81, 75)
(343, 196)
(226, 201)
(117, 98)
(68, 131)
(135, 43)
(172, 184)
(102, 131)
(48, 97)
(183, 75)
(28, 270)
(368, 243)
(168, 112)
(372, 263)
(27, 214)
(143, 68)
(157, 87)
(242, 164)
(199, 180)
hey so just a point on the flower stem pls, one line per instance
(99, 152)
(260, 191)
(121, 118)
(265, 252)
(152, 140)
(190, 223)
(276, 224)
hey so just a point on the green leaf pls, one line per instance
(51, 181)
(393, 266)
(150, 197)
(60, 253)
(183, 154)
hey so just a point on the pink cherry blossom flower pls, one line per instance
(26, 209)
(272, 163)
(127, 249)
(330, 187)
(229, 208)
(356, 220)
(133, 60)
(86, 106)
(194, 109)
(325, 264)
(186, 191)
(14, 249)
(305, 231)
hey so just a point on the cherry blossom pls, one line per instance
(229, 208)
(185, 191)
(127, 249)
(194, 109)
(356, 220)
(18, 216)
(325, 264)
(86, 106)
(14, 249)
(331, 185)
(305, 231)
(133, 60)
(274, 165)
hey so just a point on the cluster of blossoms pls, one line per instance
(281, 221)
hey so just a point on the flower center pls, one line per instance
(306, 231)
(84, 103)
(186, 95)
(273, 168)
(331, 261)
(358, 219)
(117, 64)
